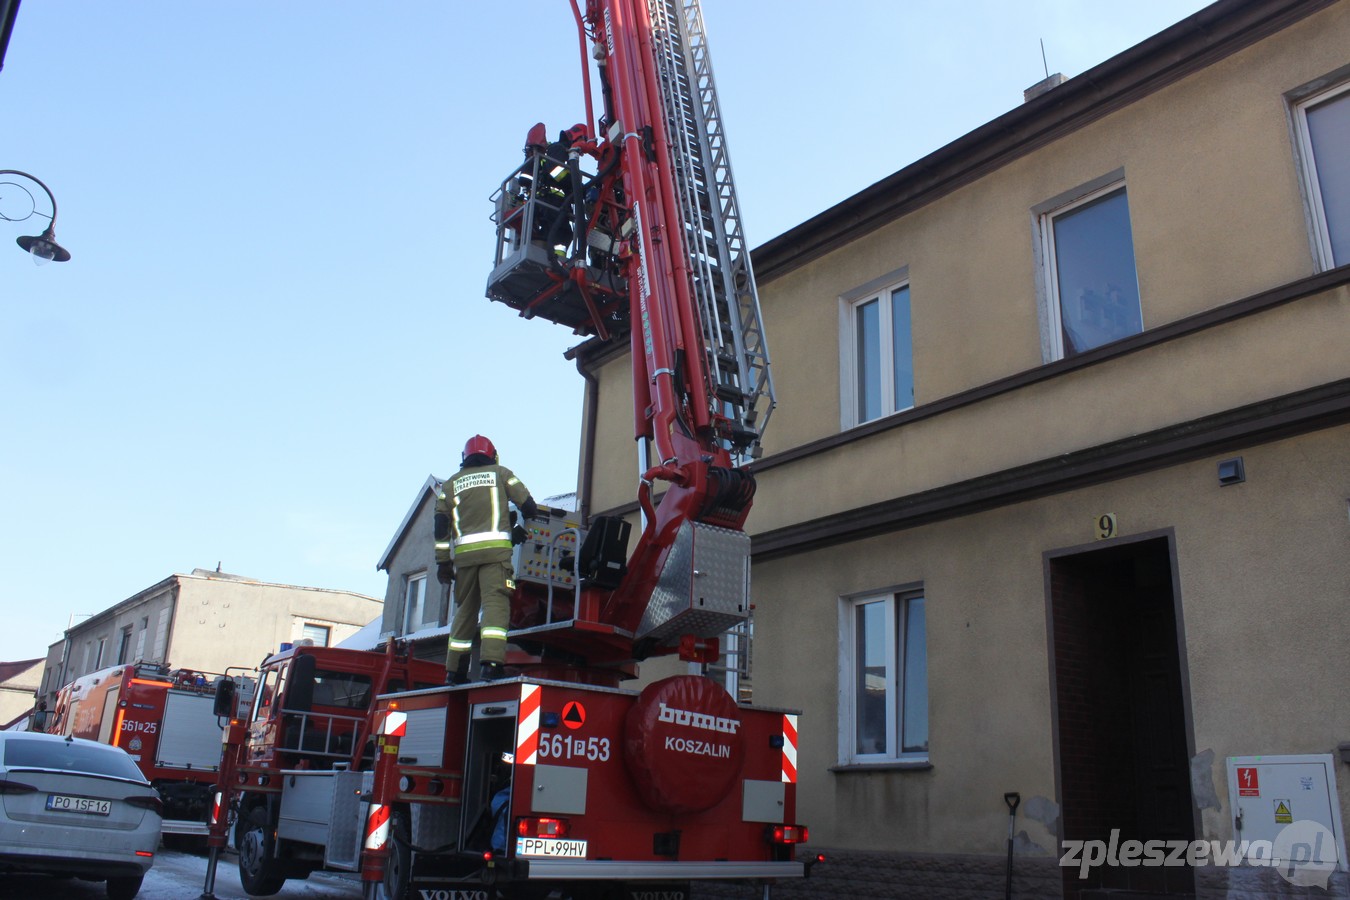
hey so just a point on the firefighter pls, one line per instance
(473, 548)
(554, 221)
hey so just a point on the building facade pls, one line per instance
(19, 683)
(416, 605)
(207, 621)
(1054, 504)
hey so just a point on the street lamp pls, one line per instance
(43, 247)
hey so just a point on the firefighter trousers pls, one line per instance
(487, 587)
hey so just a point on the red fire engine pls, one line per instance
(557, 779)
(164, 718)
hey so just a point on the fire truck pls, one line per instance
(165, 719)
(558, 780)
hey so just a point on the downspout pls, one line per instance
(587, 473)
(65, 667)
(173, 620)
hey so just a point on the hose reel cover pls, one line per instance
(683, 744)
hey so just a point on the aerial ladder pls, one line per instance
(651, 248)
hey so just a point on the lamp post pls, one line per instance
(43, 247)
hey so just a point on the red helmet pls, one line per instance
(479, 444)
(570, 136)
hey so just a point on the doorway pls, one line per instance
(1122, 728)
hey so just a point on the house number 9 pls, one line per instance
(1106, 526)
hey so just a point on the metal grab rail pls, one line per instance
(329, 738)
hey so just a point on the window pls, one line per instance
(884, 678)
(140, 637)
(98, 653)
(877, 350)
(345, 689)
(316, 633)
(414, 602)
(1092, 290)
(124, 646)
(1322, 123)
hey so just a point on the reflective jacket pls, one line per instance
(475, 503)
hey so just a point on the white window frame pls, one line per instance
(1320, 231)
(1047, 268)
(896, 600)
(879, 289)
(408, 581)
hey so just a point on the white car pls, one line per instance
(74, 807)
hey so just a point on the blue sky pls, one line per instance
(273, 325)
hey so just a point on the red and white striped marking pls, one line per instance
(377, 827)
(527, 725)
(395, 723)
(789, 748)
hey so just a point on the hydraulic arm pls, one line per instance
(629, 226)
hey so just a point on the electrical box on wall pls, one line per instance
(1269, 794)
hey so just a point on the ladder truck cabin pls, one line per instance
(164, 718)
(558, 781)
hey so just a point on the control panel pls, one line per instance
(550, 548)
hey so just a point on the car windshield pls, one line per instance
(70, 756)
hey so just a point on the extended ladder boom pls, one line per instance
(631, 225)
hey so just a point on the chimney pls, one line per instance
(1044, 86)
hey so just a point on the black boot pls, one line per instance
(461, 673)
(491, 671)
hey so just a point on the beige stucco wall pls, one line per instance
(616, 451)
(1265, 578)
(1261, 356)
(1215, 204)
(17, 692)
(208, 624)
(1217, 215)
(220, 623)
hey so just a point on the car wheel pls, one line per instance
(259, 873)
(398, 867)
(124, 888)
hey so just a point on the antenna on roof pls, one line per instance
(1043, 60)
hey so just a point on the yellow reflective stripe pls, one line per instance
(493, 632)
(460, 645)
(442, 545)
(482, 545)
(482, 536)
(513, 480)
(496, 511)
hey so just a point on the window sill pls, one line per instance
(916, 765)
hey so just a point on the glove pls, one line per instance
(445, 572)
(529, 508)
(519, 535)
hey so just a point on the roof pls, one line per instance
(10, 670)
(19, 722)
(429, 489)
